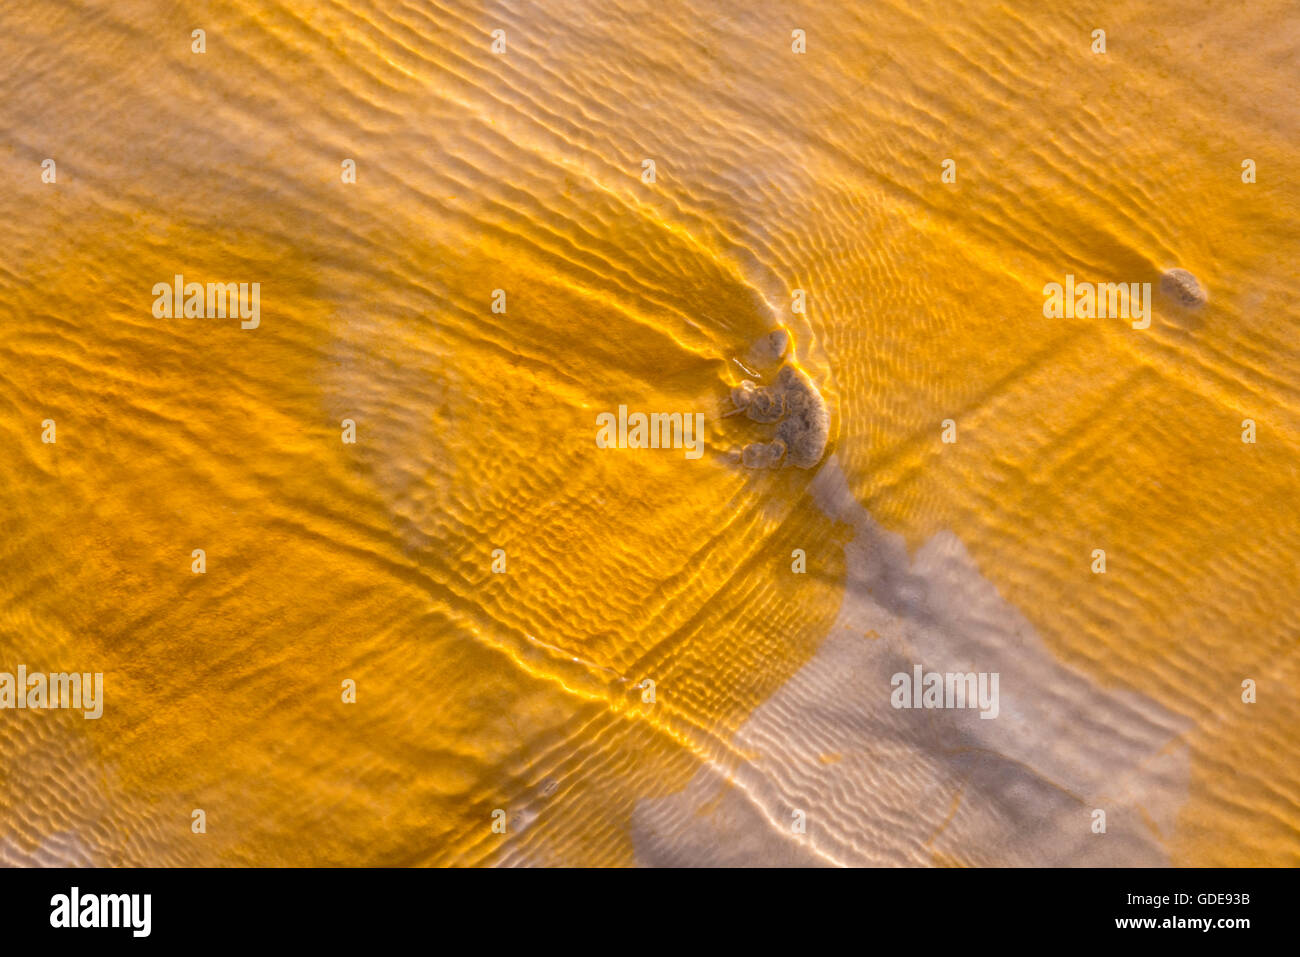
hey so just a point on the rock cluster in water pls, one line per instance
(790, 402)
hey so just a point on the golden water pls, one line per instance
(522, 171)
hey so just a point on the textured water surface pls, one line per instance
(522, 690)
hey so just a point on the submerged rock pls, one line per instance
(761, 405)
(769, 350)
(793, 403)
(1182, 287)
(763, 455)
(806, 425)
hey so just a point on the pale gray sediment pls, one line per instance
(879, 785)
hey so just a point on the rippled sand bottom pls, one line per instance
(523, 691)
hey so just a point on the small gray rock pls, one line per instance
(1182, 287)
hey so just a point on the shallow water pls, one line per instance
(521, 691)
